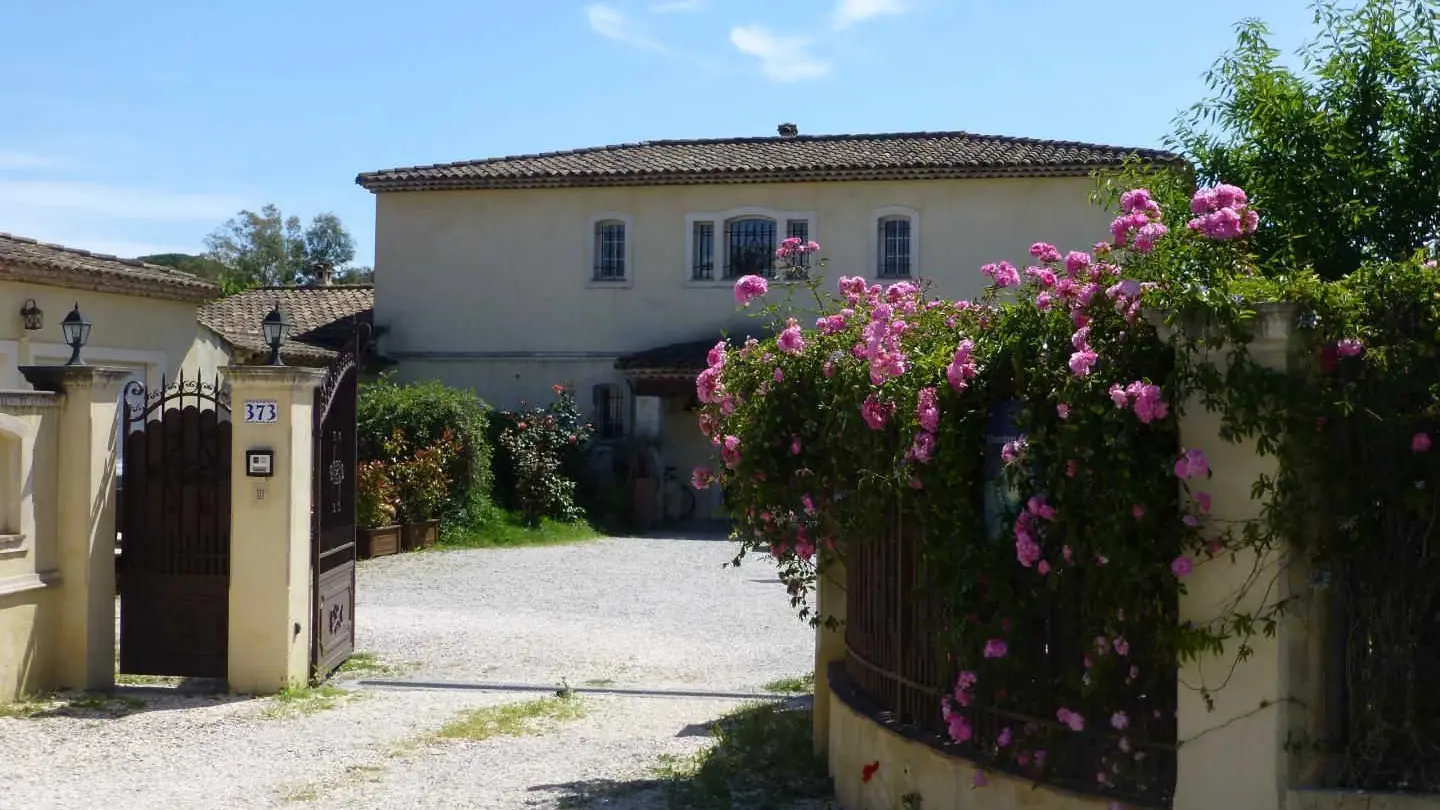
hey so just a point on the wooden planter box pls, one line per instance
(377, 542)
(415, 536)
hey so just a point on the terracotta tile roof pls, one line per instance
(892, 156)
(314, 310)
(24, 259)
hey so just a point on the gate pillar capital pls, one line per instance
(270, 624)
(85, 519)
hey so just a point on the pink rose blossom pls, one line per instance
(962, 368)
(876, 412)
(1082, 361)
(730, 451)
(1192, 464)
(996, 648)
(1074, 720)
(792, 341)
(1122, 647)
(702, 478)
(1349, 347)
(1119, 721)
(1202, 499)
(1003, 274)
(927, 411)
(795, 446)
(748, 288)
(1042, 567)
(1181, 566)
(1420, 443)
(1062, 410)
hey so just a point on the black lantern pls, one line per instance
(276, 328)
(33, 317)
(77, 332)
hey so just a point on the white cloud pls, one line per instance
(611, 23)
(117, 202)
(22, 160)
(782, 59)
(674, 6)
(849, 12)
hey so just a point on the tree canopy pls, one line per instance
(270, 249)
(1342, 154)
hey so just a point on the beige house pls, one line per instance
(58, 443)
(142, 315)
(612, 268)
(324, 318)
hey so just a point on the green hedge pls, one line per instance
(424, 411)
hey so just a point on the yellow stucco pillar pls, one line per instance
(85, 519)
(270, 582)
(1234, 754)
(829, 645)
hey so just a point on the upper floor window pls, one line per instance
(741, 242)
(894, 250)
(895, 244)
(609, 254)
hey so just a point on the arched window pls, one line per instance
(894, 246)
(749, 246)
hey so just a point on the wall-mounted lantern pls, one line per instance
(276, 328)
(32, 315)
(77, 333)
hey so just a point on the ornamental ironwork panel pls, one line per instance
(333, 508)
(175, 520)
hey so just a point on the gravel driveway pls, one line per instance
(656, 637)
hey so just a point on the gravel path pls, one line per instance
(632, 615)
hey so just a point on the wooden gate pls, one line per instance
(174, 591)
(332, 537)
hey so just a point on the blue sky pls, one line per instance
(133, 128)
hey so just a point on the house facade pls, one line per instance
(611, 269)
(142, 316)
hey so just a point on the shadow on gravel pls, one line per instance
(585, 794)
(760, 759)
(122, 701)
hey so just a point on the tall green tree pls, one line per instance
(1342, 155)
(270, 249)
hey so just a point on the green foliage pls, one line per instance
(538, 449)
(417, 475)
(195, 265)
(1343, 155)
(270, 249)
(375, 498)
(424, 412)
(493, 527)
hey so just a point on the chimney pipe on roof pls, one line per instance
(789, 130)
(324, 274)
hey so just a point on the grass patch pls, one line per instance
(295, 701)
(761, 759)
(504, 530)
(303, 792)
(510, 720)
(368, 663)
(148, 680)
(792, 686)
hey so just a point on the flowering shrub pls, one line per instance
(880, 413)
(416, 476)
(539, 447)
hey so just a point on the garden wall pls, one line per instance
(1242, 744)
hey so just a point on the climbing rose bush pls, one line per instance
(874, 424)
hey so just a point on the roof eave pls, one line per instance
(197, 292)
(379, 182)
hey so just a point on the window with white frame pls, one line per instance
(894, 255)
(895, 242)
(609, 251)
(728, 245)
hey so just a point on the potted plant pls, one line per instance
(377, 534)
(422, 487)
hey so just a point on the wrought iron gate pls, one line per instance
(332, 537)
(174, 592)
